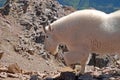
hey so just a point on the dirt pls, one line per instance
(22, 54)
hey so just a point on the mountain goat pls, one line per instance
(84, 32)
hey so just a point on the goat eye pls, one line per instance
(46, 36)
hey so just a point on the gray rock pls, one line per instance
(35, 77)
(66, 76)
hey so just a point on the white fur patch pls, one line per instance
(109, 27)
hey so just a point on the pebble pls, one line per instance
(3, 75)
(112, 78)
(14, 68)
(35, 77)
(13, 75)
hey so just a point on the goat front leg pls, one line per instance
(77, 57)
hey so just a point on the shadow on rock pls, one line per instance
(86, 76)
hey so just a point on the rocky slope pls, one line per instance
(22, 37)
(22, 54)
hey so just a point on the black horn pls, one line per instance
(44, 29)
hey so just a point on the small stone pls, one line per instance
(118, 62)
(96, 73)
(13, 75)
(67, 76)
(14, 68)
(97, 68)
(104, 77)
(85, 77)
(117, 72)
(41, 74)
(35, 77)
(106, 70)
(57, 75)
(28, 73)
(31, 51)
(89, 68)
(3, 74)
(24, 77)
(49, 79)
(65, 69)
(3, 69)
(112, 78)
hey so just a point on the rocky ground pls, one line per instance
(22, 54)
